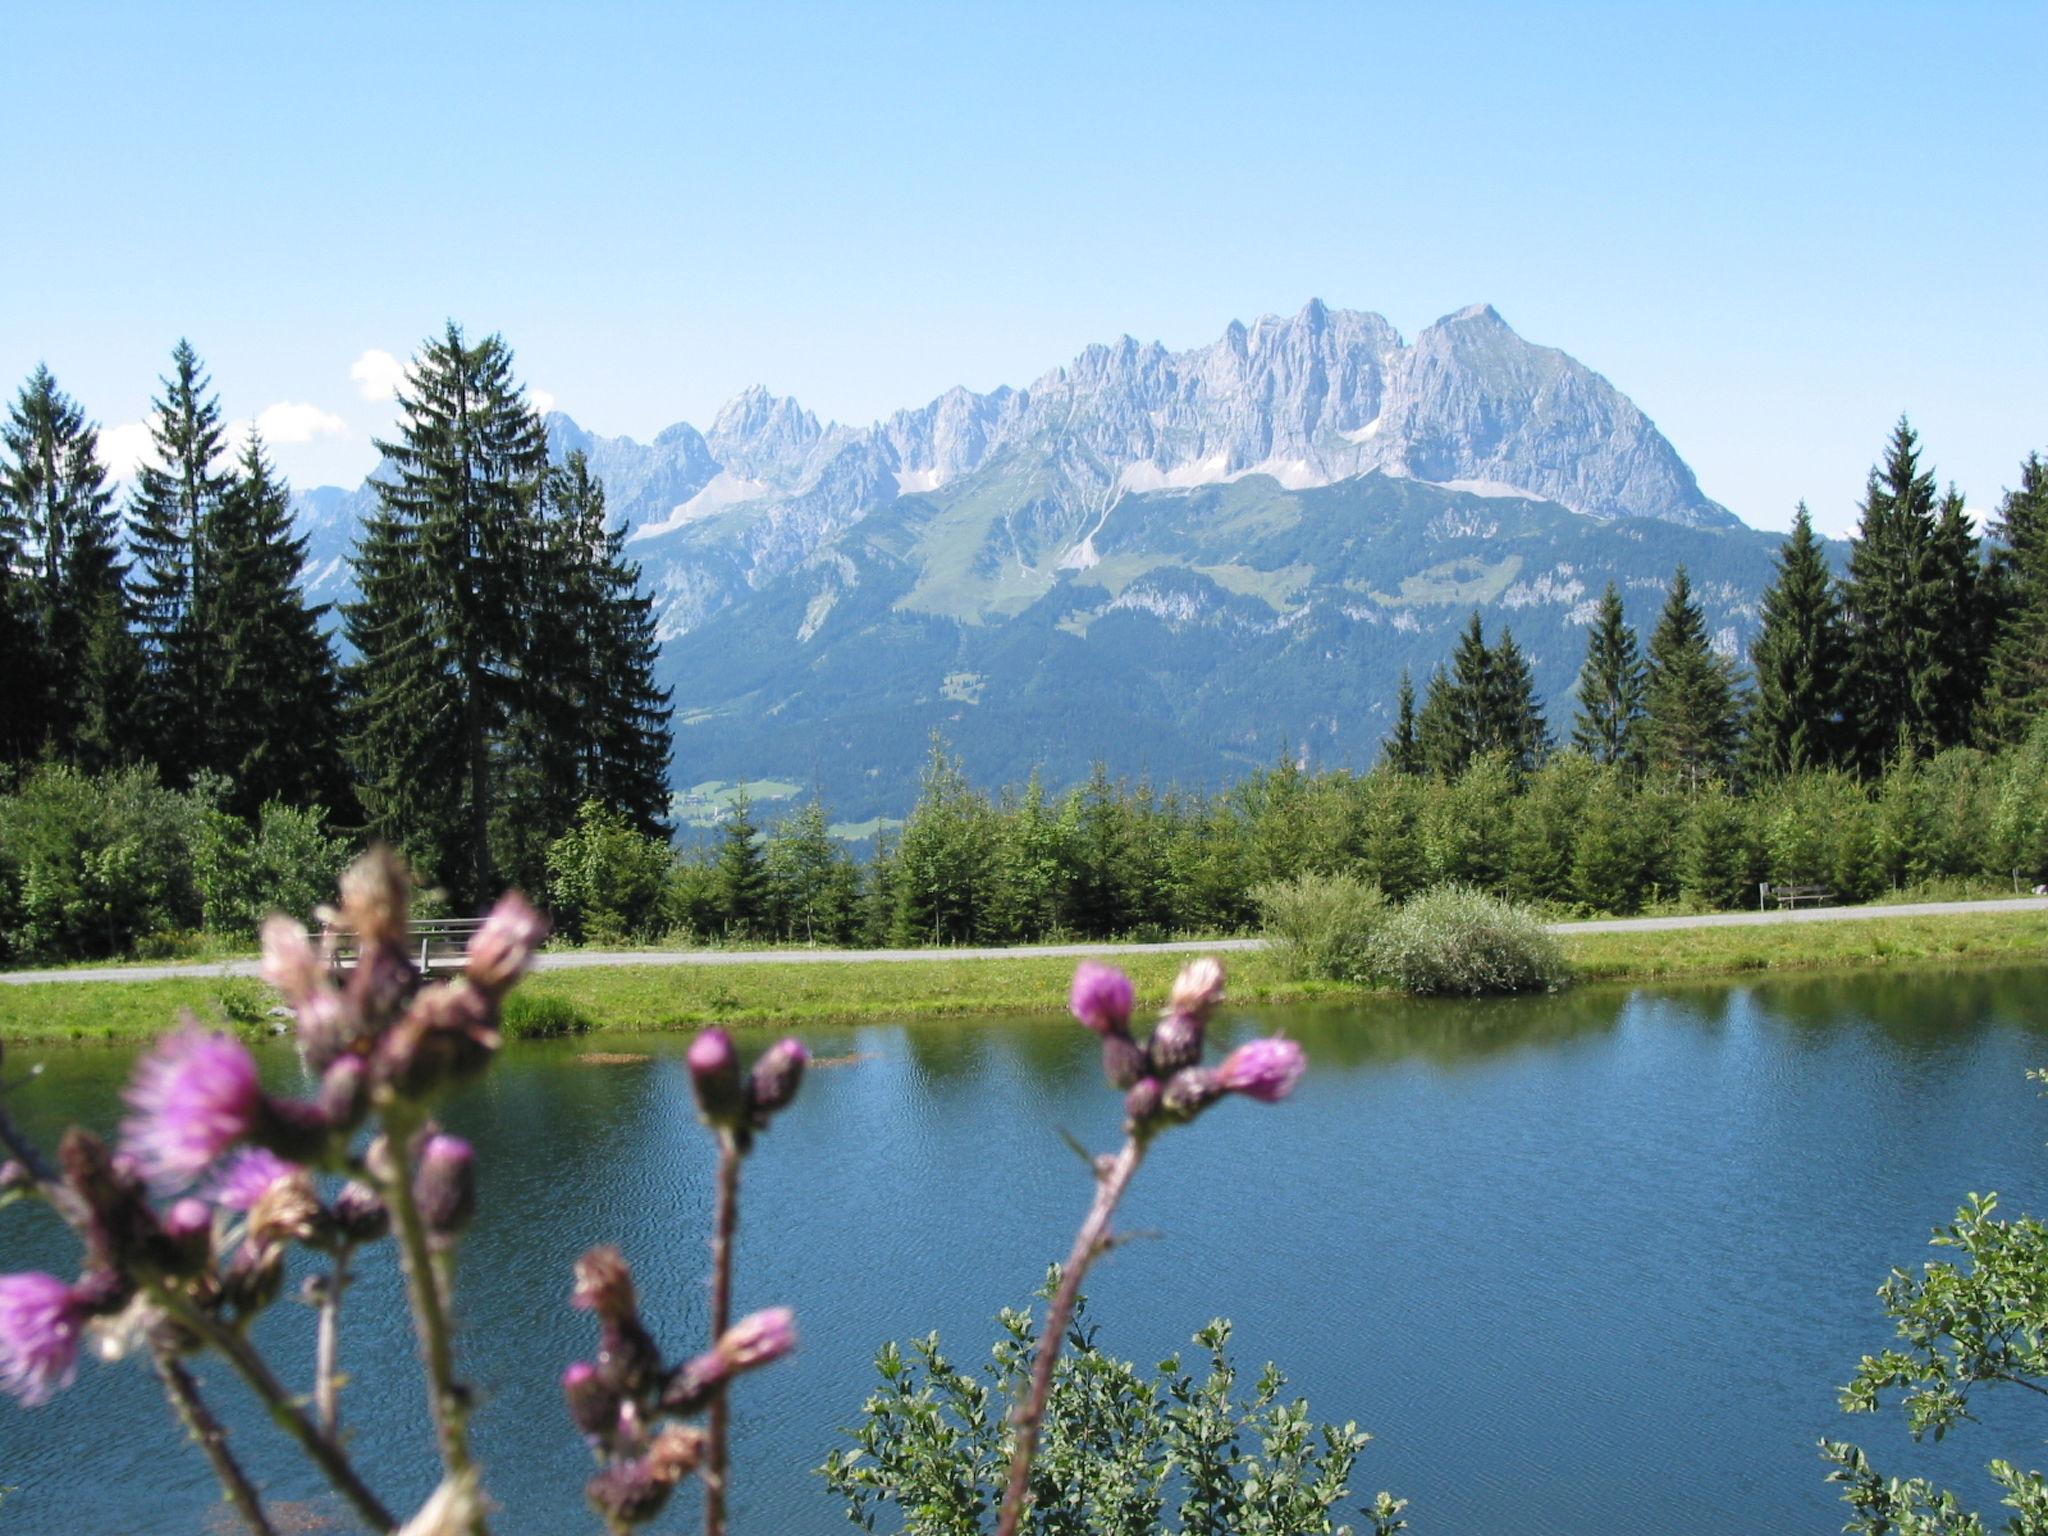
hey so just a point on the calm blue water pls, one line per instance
(1587, 1265)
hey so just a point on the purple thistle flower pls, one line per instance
(1266, 1070)
(248, 1177)
(1102, 998)
(775, 1078)
(1198, 988)
(193, 1098)
(715, 1073)
(592, 1404)
(758, 1338)
(444, 1185)
(501, 950)
(40, 1320)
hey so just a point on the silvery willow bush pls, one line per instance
(1321, 927)
(1458, 940)
(185, 1222)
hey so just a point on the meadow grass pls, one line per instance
(771, 994)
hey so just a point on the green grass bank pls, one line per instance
(771, 994)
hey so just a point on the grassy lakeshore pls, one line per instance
(772, 994)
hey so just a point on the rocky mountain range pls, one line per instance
(1182, 562)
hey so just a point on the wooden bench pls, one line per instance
(1792, 895)
(440, 943)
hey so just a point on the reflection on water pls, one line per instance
(1587, 1264)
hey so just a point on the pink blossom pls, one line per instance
(501, 950)
(40, 1320)
(248, 1177)
(1102, 997)
(193, 1098)
(1266, 1070)
(759, 1338)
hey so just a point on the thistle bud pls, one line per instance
(345, 1092)
(376, 899)
(775, 1079)
(448, 1035)
(251, 1281)
(758, 1338)
(444, 1184)
(289, 961)
(1198, 988)
(15, 1179)
(1176, 1042)
(592, 1404)
(604, 1285)
(715, 1074)
(1266, 1070)
(1123, 1060)
(188, 1232)
(1141, 1104)
(692, 1385)
(1101, 998)
(501, 950)
(629, 1492)
(358, 1215)
(295, 1130)
(1190, 1091)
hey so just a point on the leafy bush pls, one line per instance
(537, 1016)
(285, 863)
(1119, 1449)
(606, 880)
(1455, 939)
(1322, 926)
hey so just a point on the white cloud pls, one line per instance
(541, 400)
(377, 374)
(292, 422)
(126, 448)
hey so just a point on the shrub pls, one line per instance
(285, 863)
(606, 881)
(1120, 1448)
(1455, 939)
(537, 1016)
(1321, 926)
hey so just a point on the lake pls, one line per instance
(1587, 1265)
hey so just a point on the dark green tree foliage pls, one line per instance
(1895, 634)
(443, 623)
(1487, 704)
(21, 658)
(1962, 623)
(2018, 663)
(1801, 659)
(740, 875)
(1609, 727)
(597, 654)
(81, 698)
(1693, 717)
(273, 709)
(171, 520)
(942, 862)
(813, 887)
(1402, 752)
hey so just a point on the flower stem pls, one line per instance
(724, 1223)
(204, 1428)
(1111, 1180)
(328, 1344)
(253, 1369)
(429, 1307)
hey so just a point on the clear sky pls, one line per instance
(1775, 226)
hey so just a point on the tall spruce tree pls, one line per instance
(275, 702)
(1403, 752)
(2018, 669)
(1693, 715)
(1800, 658)
(1963, 622)
(170, 522)
(1897, 669)
(1513, 720)
(1485, 704)
(21, 659)
(1609, 727)
(80, 701)
(443, 623)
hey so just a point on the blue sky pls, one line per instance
(1776, 227)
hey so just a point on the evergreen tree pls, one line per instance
(170, 521)
(1963, 623)
(1512, 720)
(1801, 660)
(602, 651)
(21, 658)
(1441, 745)
(1402, 752)
(275, 705)
(1487, 704)
(81, 698)
(444, 620)
(1693, 716)
(2019, 653)
(941, 863)
(1894, 633)
(741, 873)
(1609, 727)
(811, 884)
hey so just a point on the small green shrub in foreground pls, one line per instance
(1462, 941)
(1321, 927)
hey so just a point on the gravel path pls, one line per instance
(580, 959)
